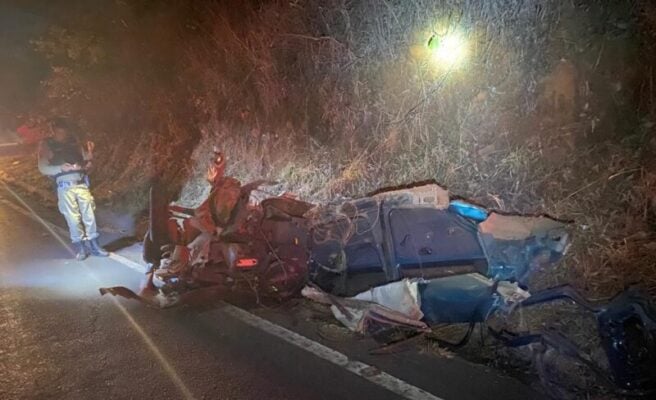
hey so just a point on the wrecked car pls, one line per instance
(230, 243)
(277, 244)
(398, 260)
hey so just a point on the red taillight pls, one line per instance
(246, 263)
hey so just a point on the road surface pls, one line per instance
(60, 340)
(9, 149)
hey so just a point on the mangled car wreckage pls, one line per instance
(402, 259)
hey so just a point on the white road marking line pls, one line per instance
(114, 256)
(366, 371)
(25, 209)
(128, 263)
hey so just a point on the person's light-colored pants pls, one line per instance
(77, 205)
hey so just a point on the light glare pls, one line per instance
(449, 50)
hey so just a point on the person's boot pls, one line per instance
(95, 248)
(80, 251)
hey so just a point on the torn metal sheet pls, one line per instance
(515, 246)
(154, 299)
(199, 249)
(626, 325)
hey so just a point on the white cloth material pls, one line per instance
(397, 302)
(401, 296)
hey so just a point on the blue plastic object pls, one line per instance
(468, 210)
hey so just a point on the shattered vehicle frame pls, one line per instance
(403, 259)
(260, 249)
(416, 232)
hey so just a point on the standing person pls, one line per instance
(63, 158)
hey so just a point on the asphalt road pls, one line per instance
(60, 340)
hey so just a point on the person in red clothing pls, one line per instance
(33, 130)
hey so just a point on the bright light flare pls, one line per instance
(449, 50)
